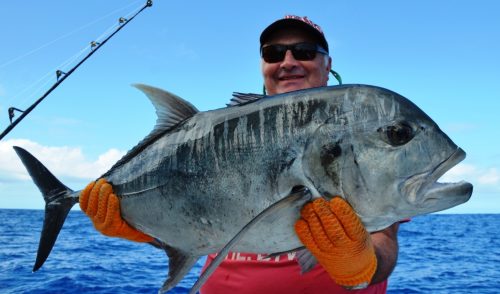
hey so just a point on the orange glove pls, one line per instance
(103, 208)
(336, 237)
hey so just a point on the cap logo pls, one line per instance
(305, 20)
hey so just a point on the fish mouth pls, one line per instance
(434, 195)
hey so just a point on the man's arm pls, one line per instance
(334, 234)
(386, 250)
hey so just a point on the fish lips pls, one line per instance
(426, 192)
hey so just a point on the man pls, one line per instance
(295, 55)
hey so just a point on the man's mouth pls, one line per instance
(291, 77)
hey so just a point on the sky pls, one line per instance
(442, 55)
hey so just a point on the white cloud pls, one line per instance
(458, 173)
(490, 177)
(70, 165)
(480, 176)
(61, 161)
(486, 181)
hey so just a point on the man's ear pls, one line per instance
(328, 68)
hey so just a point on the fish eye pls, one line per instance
(397, 134)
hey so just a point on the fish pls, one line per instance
(235, 178)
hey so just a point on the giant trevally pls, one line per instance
(235, 178)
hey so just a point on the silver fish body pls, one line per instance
(334, 141)
(200, 177)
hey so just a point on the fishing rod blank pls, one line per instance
(61, 76)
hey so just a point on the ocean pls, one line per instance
(439, 253)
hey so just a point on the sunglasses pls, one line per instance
(300, 51)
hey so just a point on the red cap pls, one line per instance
(295, 22)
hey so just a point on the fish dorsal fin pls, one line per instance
(170, 109)
(244, 98)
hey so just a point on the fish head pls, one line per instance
(384, 155)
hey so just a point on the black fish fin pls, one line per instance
(58, 203)
(179, 264)
(170, 110)
(244, 98)
(294, 199)
(306, 260)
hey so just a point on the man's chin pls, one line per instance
(288, 86)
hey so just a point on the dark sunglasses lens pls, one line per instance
(300, 51)
(273, 53)
(304, 51)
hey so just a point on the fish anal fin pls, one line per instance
(179, 264)
(306, 260)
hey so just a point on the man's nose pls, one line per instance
(289, 60)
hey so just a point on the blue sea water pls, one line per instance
(438, 254)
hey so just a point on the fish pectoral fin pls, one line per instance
(306, 260)
(179, 264)
(298, 198)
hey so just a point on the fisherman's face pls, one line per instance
(291, 74)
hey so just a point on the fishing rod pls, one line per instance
(61, 76)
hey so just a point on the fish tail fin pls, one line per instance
(58, 202)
